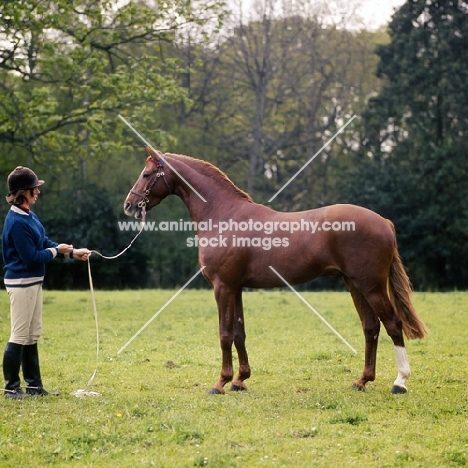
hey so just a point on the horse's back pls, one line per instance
(336, 240)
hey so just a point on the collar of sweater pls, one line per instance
(20, 210)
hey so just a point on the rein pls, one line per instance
(86, 392)
(142, 205)
(143, 220)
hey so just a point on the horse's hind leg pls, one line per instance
(380, 302)
(403, 370)
(371, 328)
(239, 342)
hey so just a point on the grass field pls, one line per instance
(300, 410)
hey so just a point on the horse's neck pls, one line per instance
(207, 196)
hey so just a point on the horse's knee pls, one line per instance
(226, 341)
(239, 340)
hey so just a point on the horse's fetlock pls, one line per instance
(227, 376)
(244, 372)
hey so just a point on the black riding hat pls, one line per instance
(22, 178)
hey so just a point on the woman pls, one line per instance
(26, 249)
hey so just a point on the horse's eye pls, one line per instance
(145, 176)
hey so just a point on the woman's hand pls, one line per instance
(81, 254)
(65, 248)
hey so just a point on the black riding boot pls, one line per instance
(11, 368)
(32, 371)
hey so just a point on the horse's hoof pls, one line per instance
(215, 391)
(238, 388)
(397, 390)
(358, 387)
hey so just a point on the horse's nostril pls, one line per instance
(127, 207)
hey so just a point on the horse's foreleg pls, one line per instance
(239, 342)
(226, 300)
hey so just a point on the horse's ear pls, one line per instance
(155, 154)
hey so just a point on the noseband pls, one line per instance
(158, 175)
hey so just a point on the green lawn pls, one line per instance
(300, 410)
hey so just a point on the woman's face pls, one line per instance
(31, 195)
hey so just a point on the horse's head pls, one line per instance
(150, 188)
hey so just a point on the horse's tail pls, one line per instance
(400, 292)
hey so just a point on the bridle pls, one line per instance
(160, 173)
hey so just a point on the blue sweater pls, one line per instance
(25, 248)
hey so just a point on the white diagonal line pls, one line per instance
(312, 158)
(161, 309)
(165, 160)
(313, 310)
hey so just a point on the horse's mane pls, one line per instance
(210, 170)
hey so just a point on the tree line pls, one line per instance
(257, 95)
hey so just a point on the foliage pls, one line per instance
(68, 68)
(273, 91)
(300, 410)
(413, 159)
(258, 97)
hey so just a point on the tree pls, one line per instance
(68, 68)
(413, 163)
(273, 91)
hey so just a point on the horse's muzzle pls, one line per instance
(132, 210)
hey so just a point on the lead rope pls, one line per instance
(82, 392)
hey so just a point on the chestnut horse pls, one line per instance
(240, 240)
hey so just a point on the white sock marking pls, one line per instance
(403, 366)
